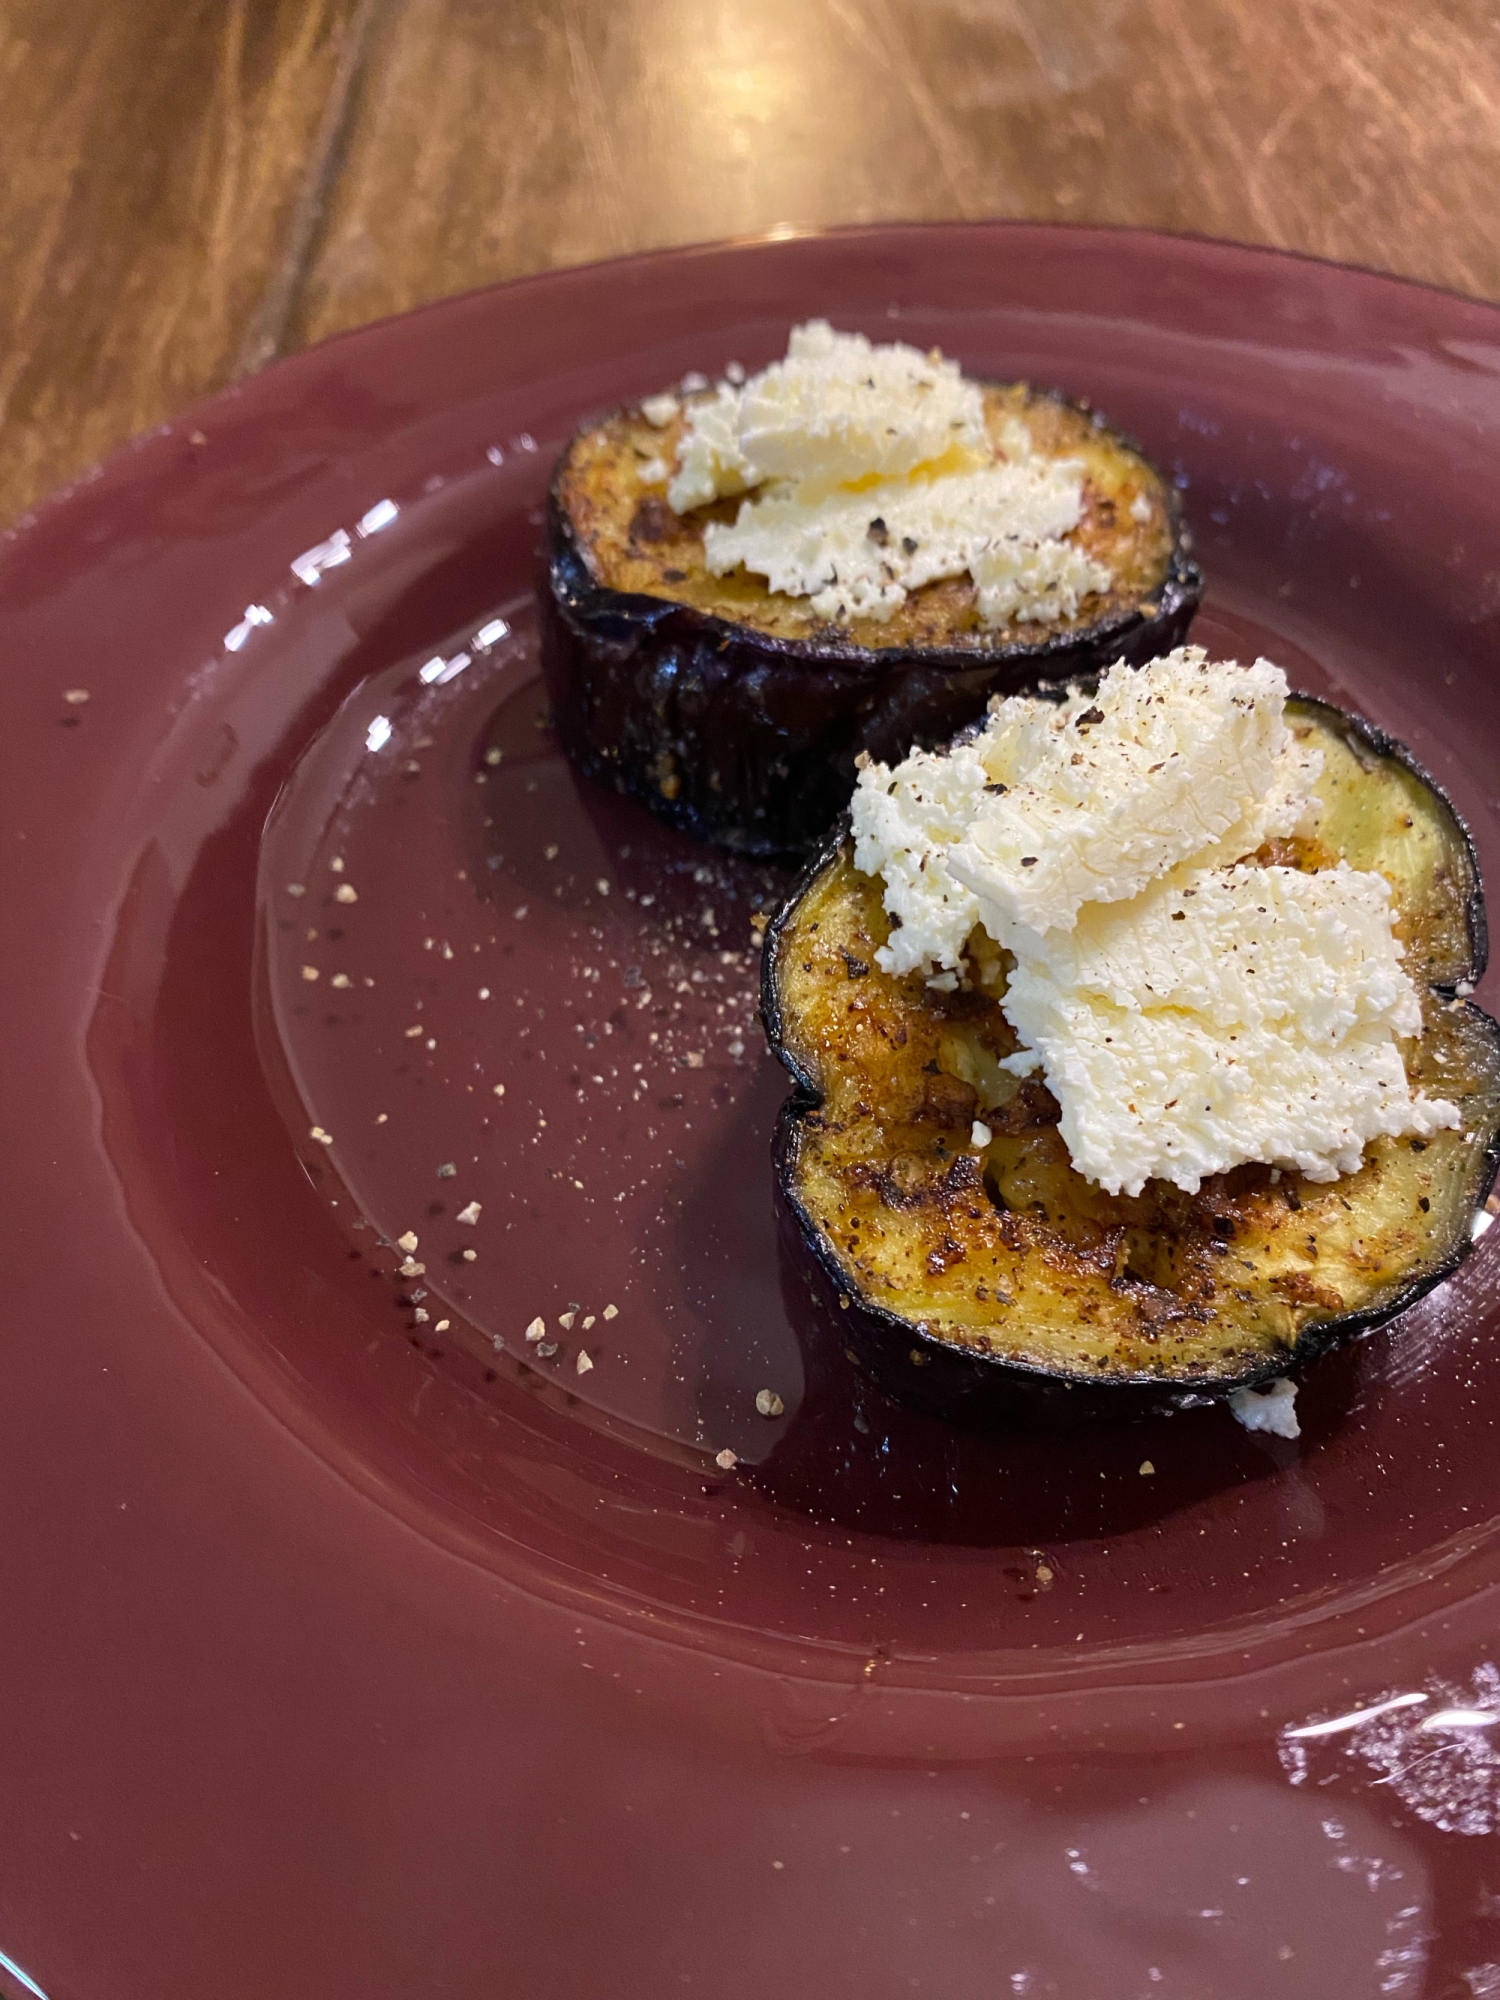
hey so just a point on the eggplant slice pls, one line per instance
(979, 1283)
(736, 712)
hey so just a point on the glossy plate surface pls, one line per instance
(356, 1644)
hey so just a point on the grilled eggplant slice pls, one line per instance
(736, 712)
(982, 1282)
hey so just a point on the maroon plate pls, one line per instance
(358, 1645)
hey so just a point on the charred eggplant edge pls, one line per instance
(970, 1375)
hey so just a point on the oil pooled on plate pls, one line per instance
(520, 1021)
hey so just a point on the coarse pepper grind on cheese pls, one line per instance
(870, 472)
(1191, 1009)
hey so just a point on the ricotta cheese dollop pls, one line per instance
(1190, 1008)
(870, 471)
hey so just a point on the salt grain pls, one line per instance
(346, 893)
(583, 1364)
(323, 1138)
(726, 1460)
(468, 1214)
(309, 972)
(611, 1312)
(537, 1330)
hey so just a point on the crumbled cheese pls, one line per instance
(1222, 1016)
(877, 474)
(710, 463)
(1272, 1409)
(1051, 806)
(840, 408)
(1190, 1010)
(858, 554)
(660, 410)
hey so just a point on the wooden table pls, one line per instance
(189, 187)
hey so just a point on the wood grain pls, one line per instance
(151, 156)
(190, 187)
(499, 140)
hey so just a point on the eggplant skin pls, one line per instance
(1047, 1298)
(737, 716)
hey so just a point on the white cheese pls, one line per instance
(1051, 805)
(872, 472)
(1272, 1409)
(710, 463)
(858, 554)
(1102, 795)
(838, 408)
(1224, 1015)
(1189, 1014)
(905, 822)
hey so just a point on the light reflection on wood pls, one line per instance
(169, 189)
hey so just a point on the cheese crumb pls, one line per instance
(537, 1330)
(583, 1363)
(469, 1213)
(1273, 1408)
